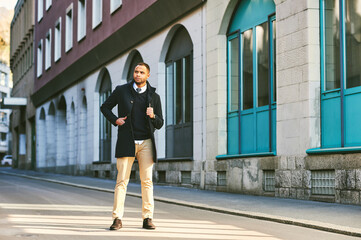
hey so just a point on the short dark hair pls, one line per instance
(145, 65)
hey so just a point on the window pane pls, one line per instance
(69, 30)
(178, 92)
(40, 59)
(40, 9)
(187, 89)
(332, 44)
(234, 73)
(170, 95)
(353, 46)
(81, 19)
(274, 62)
(262, 64)
(57, 40)
(47, 50)
(247, 40)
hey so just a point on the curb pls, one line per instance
(266, 217)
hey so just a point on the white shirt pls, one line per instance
(142, 89)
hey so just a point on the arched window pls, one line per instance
(83, 123)
(41, 140)
(72, 133)
(104, 125)
(61, 150)
(179, 96)
(137, 58)
(51, 137)
(251, 119)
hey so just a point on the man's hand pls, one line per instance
(120, 121)
(150, 112)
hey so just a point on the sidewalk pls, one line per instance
(337, 218)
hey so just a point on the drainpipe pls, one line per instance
(204, 95)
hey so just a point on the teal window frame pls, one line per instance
(340, 108)
(234, 116)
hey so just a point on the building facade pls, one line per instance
(282, 89)
(86, 49)
(22, 67)
(5, 88)
(259, 97)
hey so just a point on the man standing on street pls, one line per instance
(140, 113)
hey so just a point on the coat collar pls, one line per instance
(150, 89)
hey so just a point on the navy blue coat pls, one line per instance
(123, 96)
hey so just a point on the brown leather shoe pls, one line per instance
(117, 224)
(148, 224)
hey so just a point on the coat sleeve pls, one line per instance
(108, 105)
(158, 120)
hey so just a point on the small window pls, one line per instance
(40, 59)
(186, 177)
(40, 10)
(2, 80)
(222, 178)
(269, 181)
(133, 175)
(48, 4)
(114, 5)
(97, 12)
(81, 19)
(161, 177)
(3, 137)
(57, 41)
(26, 60)
(323, 182)
(3, 117)
(31, 55)
(48, 50)
(69, 28)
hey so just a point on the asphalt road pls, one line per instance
(31, 209)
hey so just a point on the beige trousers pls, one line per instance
(144, 155)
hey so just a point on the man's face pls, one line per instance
(140, 75)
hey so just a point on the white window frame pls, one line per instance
(81, 19)
(48, 50)
(40, 9)
(69, 28)
(114, 5)
(57, 40)
(39, 56)
(97, 13)
(48, 4)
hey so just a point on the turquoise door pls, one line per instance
(251, 79)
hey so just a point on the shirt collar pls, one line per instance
(143, 89)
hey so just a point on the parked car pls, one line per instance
(7, 160)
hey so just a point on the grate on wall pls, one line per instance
(269, 181)
(161, 177)
(222, 178)
(186, 177)
(323, 182)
